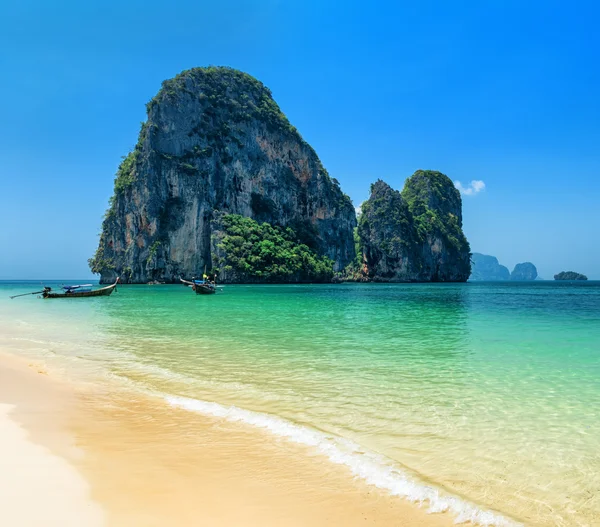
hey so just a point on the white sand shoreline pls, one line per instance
(38, 487)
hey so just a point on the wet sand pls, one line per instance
(124, 459)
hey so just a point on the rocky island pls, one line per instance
(487, 268)
(524, 272)
(414, 235)
(220, 180)
(215, 140)
(570, 275)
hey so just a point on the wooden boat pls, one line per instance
(204, 288)
(73, 292)
(201, 287)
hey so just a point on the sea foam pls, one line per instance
(373, 468)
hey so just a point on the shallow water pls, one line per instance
(479, 398)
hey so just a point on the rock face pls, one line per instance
(414, 235)
(487, 268)
(215, 140)
(523, 272)
(570, 275)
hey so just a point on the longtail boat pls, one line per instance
(201, 287)
(204, 287)
(74, 291)
(80, 291)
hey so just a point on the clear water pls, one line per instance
(479, 398)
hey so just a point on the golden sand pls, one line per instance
(148, 464)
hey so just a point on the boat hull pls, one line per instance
(200, 289)
(204, 289)
(105, 291)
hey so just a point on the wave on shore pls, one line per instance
(373, 468)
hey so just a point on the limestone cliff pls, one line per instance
(524, 272)
(414, 235)
(487, 268)
(215, 140)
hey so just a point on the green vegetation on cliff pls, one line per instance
(354, 270)
(432, 201)
(232, 91)
(570, 275)
(99, 262)
(255, 252)
(386, 211)
(125, 175)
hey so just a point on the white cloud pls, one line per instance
(475, 187)
(358, 209)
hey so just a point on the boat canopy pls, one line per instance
(79, 287)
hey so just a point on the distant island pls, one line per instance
(570, 275)
(221, 180)
(524, 272)
(486, 268)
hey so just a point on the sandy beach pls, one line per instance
(89, 457)
(38, 486)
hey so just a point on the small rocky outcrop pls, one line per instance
(570, 275)
(215, 140)
(524, 272)
(486, 268)
(414, 235)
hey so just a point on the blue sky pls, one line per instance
(500, 92)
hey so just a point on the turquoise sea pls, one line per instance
(478, 398)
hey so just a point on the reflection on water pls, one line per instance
(489, 391)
